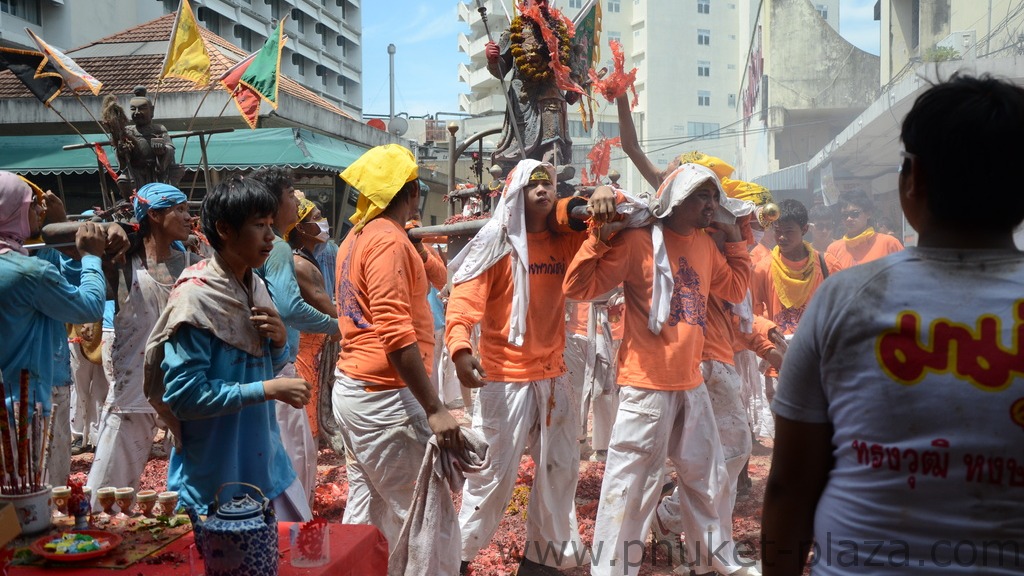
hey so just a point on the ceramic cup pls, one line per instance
(125, 497)
(60, 500)
(105, 498)
(146, 500)
(168, 502)
(33, 509)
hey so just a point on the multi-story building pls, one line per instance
(688, 93)
(324, 52)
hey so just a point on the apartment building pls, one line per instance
(323, 53)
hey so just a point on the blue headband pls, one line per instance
(156, 195)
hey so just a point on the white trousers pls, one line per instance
(603, 405)
(724, 388)
(87, 396)
(509, 416)
(59, 466)
(762, 423)
(297, 438)
(122, 450)
(387, 434)
(650, 426)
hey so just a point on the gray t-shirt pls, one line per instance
(916, 360)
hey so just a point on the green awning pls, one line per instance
(238, 150)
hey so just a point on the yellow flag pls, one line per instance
(186, 57)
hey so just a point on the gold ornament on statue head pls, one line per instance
(767, 214)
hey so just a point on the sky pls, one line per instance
(427, 52)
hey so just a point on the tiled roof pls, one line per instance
(121, 68)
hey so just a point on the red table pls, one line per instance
(355, 550)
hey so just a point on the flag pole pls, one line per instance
(89, 112)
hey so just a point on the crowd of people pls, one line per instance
(675, 315)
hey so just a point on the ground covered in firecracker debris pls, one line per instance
(501, 557)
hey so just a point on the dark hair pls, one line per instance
(403, 193)
(234, 201)
(965, 134)
(793, 211)
(822, 213)
(275, 178)
(858, 198)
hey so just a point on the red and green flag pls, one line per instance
(256, 77)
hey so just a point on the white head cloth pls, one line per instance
(505, 232)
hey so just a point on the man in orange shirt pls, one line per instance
(861, 243)
(382, 392)
(667, 270)
(509, 280)
(784, 283)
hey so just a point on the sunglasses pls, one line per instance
(852, 214)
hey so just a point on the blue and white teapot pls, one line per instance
(238, 538)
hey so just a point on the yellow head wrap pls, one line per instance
(720, 167)
(741, 190)
(378, 175)
(305, 207)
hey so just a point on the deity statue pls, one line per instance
(541, 87)
(144, 149)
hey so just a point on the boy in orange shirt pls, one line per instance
(382, 393)
(509, 280)
(667, 270)
(861, 243)
(784, 283)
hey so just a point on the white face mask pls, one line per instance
(325, 230)
(758, 234)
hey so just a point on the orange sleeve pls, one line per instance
(389, 269)
(758, 340)
(597, 267)
(731, 276)
(465, 310)
(437, 272)
(832, 263)
(759, 292)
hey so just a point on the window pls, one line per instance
(703, 98)
(299, 21)
(704, 6)
(210, 18)
(300, 64)
(703, 68)
(575, 3)
(732, 100)
(28, 10)
(614, 6)
(822, 10)
(244, 36)
(697, 129)
(616, 36)
(703, 37)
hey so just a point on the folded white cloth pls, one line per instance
(429, 542)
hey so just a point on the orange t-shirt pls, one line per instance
(381, 297)
(759, 252)
(719, 337)
(872, 248)
(669, 360)
(766, 297)
(487, 300)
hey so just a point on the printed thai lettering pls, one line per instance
(975, 467)
(976, 355)
(553, 268)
